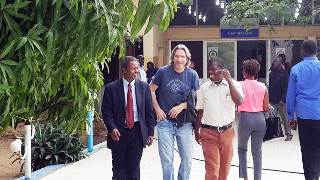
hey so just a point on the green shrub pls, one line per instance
(52, 53)
(52, 145)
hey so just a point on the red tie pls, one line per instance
(129, 109)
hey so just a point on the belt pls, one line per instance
(219, 129)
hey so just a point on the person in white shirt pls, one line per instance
(216, 103)
(142, 74)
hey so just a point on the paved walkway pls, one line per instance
(278, 156)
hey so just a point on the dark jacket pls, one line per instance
(150, 73)
(189, 114)
(278, 84)
(114, 113)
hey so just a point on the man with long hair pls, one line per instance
(172, 82)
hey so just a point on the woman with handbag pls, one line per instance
(252, 121)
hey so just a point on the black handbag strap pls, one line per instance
(272, 113)
(275, 114)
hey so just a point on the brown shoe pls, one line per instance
(288, 138)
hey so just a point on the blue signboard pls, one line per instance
(245, 28)
(239, 33)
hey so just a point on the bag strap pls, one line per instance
(275, 114)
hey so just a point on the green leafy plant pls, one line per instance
(51, 53)
(53, 145)
(273, 12)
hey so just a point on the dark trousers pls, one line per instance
(126, 155)
(309, 135)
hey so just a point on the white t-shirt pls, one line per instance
(142, 74)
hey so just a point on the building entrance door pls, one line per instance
(224, 49)
(252, 50)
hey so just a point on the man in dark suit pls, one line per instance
(127, 113)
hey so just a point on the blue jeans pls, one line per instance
(167, 132)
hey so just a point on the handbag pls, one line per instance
(274, 129)
(189, 114)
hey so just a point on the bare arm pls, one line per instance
(153, 89)
(266, 105)
(236, 96)
(175, 111)
(199, 107)
(198, 125)
(199, 117)
(159, 112)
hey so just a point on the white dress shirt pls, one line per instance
(216, 102)
(133, 90)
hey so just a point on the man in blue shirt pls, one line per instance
(303, 99)
(171, 83)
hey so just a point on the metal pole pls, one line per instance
(27, 164)
(312, 12)
(197, 13)
(90, 130)
(269, 57)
